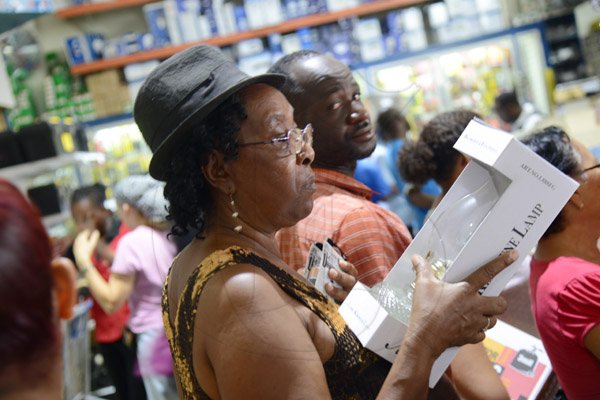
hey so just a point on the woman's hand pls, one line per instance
(84, 246)
(453, 314)
(346, 279)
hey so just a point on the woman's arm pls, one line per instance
(276, 346)
(592, 341)
(474, 376)
(109, 295)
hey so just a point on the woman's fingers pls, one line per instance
(339, 295)
(486, 273)
(456, 312)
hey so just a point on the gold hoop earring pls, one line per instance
(235, 214)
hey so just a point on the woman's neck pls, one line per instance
(265, 245)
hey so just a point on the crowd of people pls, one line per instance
(254, 171)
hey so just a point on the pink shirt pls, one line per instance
(565, 296)
(147, 254)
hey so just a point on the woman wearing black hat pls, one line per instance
(241, 323)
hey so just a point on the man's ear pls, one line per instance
(64, 276)
(216, 172)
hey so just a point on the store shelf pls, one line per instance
(285, 27)
(94, 8)
(39, 167)
(110, 119)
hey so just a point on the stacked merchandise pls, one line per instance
(64, 96)
(454, 20)
(173, 22)
(24, 112)
(535, 10)
(592, 48)
(109, 94)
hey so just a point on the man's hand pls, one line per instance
(453, 314)
(84, 246)
(346, 279)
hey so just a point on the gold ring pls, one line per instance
(487, 326)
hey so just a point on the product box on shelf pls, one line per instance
(505, 198)
(157, 23)
(187, 18)
(175, 35)
(84, 48)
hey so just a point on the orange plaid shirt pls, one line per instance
(371, 237)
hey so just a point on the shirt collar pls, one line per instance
(342, 181)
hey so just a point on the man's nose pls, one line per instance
(358, 116)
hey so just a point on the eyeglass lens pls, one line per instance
(298, 137)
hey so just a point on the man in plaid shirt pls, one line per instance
(325, 94)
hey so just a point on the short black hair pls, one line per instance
(291, 88)
(186, 189)
(433, 154)
(554, 145)
(387, 124)
(506, 99)
(95, 193)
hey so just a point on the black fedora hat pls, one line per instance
(180, 92)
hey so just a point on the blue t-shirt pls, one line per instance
(368, 172)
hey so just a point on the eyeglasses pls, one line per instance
(585, 171)
(590, 168)
(293, 141)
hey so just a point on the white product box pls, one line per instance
(290, 43)
(368, 29)
(505, 198)
(255, 64)
(337, 5)
(172, 21)
(372, 50)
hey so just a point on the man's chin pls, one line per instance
(367, 150)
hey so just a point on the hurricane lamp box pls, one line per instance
(505, 198)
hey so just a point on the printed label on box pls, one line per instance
(519, 359)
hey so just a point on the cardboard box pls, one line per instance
(505, 198)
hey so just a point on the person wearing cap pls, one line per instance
(241, 323)
(323, 91)
(138, 272)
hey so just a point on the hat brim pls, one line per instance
(164, 152)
